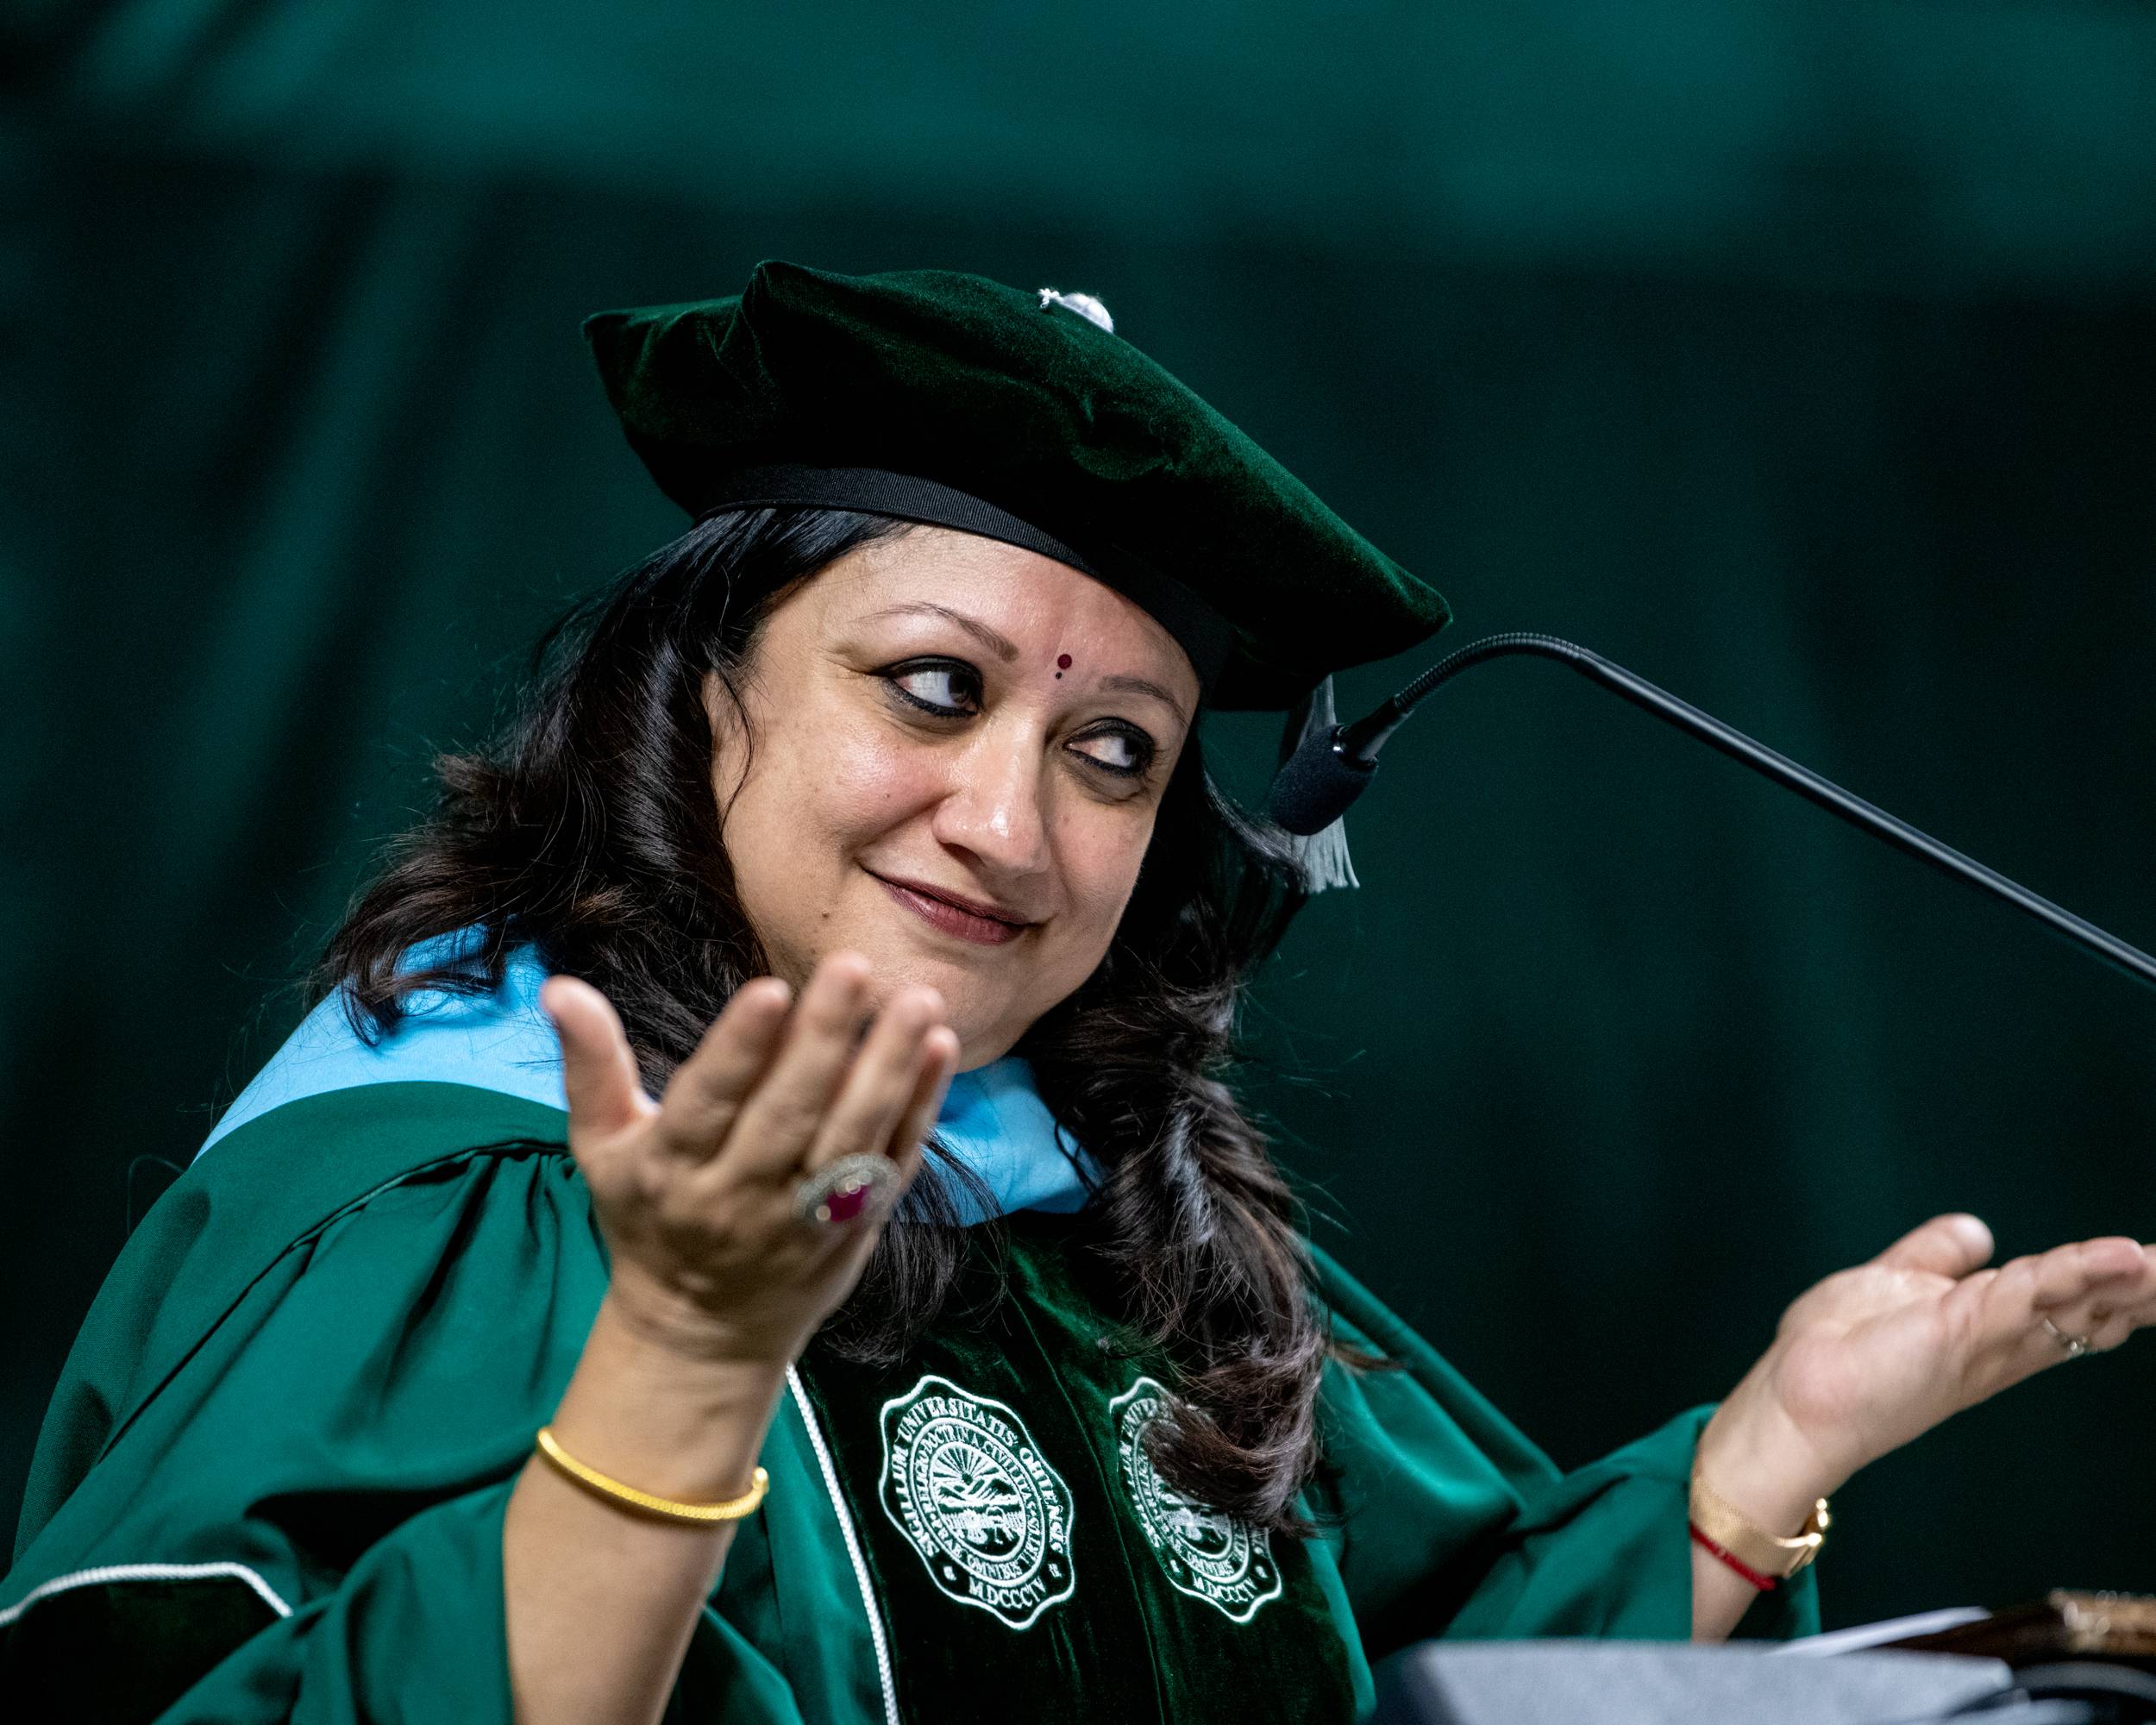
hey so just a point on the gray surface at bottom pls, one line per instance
(1646, 1683)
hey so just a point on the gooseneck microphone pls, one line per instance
(1333, 767)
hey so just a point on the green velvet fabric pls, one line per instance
(1032, 406)
(272, 1481)
(1115, 1600)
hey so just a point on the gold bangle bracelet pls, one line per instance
(644, 1502)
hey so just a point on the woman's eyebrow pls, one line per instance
(1001, 645)
(1141, 686)
(1006, 650)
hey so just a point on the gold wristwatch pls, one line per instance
(1728, 1527)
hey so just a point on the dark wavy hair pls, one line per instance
(589, 827)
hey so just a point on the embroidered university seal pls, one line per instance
(963, 1481)
(1225, 1563)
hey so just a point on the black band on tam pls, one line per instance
(1198, 628)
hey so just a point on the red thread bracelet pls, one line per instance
(1764, 1582)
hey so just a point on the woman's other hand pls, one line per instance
(1877, 1355)
(1874, 1356)
(695, 1192)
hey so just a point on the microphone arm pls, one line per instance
(1354, 748)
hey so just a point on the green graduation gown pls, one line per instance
(271, 1483)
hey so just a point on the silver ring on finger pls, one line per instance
(840, 1191)
(2075, 1346)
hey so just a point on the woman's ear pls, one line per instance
(729, 738)
(718, 704)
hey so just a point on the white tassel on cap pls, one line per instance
(1083, 304)
(1326, 861)
(1323, 855)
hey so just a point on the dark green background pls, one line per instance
(1798, 358)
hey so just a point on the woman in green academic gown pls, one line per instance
(869, 813)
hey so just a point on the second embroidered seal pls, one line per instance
(1203, 1553)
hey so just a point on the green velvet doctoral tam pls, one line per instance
(272, 1480)
(1012, 398)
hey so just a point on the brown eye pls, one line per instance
(1126, 753)
(947, 687)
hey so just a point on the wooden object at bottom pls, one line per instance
(2062, 1625)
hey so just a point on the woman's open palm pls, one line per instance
(695, 1192)
(1874, 1356)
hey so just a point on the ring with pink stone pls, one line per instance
(849, 1188)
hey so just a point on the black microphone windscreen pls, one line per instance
(1315, 785)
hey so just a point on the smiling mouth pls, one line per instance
(978, 927)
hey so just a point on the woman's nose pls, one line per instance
(993, 807)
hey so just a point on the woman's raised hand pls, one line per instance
(695, 1192)
(1876, 1355)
